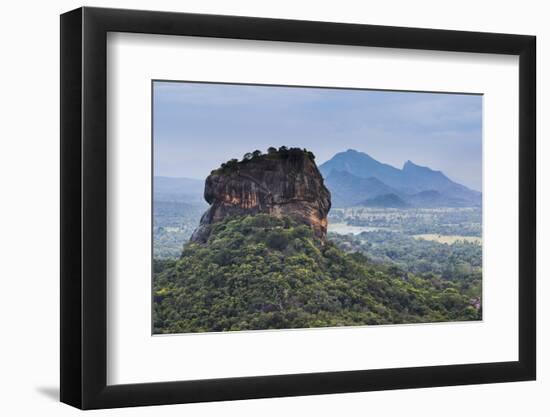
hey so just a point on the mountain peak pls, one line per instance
(411, 165)
(355, 156)
(408, 180)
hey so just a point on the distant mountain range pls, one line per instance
(356, 179)
(187, 190)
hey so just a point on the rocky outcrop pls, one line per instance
(284, 182)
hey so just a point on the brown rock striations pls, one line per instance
(281, 183)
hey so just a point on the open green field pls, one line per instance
(448, 239)
(424, 222)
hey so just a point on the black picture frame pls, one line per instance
(84, 207)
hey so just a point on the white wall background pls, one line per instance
(29, 225)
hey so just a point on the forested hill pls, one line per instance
(264, 272)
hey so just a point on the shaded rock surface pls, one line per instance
(280, 183)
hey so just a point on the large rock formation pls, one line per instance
(279, 183)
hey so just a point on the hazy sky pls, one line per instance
(198, 126)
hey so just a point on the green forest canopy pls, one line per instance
(262, 272)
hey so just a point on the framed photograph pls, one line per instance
(257, 208)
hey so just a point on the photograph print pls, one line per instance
(286, 207)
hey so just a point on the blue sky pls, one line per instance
(197, 126)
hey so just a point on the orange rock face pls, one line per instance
(284, 183)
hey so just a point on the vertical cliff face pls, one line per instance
(280, 183)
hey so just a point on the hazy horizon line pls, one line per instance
(348, 149)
